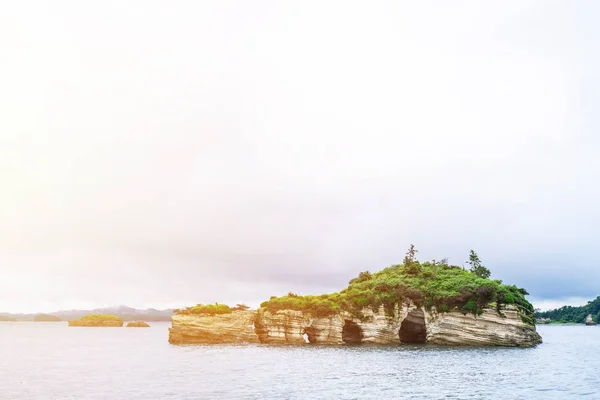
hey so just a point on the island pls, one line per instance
(410, 303)
(46, 318)
(571, 315)
(137, 324)
(7, 318)
(97, 320)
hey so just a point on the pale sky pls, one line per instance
(162, 154)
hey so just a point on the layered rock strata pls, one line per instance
(409, 325)
(237, 327)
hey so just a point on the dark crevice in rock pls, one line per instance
(260, 329)
(412, 329)
(351, 332)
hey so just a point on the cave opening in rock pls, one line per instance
(310, 334)
(351, 332)
(412, 329)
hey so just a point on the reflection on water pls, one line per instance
(53, 361)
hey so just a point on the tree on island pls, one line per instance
(476, 267)
(410, 261)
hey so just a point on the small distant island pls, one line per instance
(6, 318)
(571, 315)
(97, 320)
(124, 312)
(46, 318)
(137, 324)
(409, 303)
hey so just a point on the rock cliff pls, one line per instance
(488, 329)
(409, 325)
(237, 327)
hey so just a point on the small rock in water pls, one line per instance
(137, 324)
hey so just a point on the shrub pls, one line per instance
(208, 309)
(362, 277)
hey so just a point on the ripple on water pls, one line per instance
(52, 361)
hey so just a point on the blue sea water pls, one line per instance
(53, 361)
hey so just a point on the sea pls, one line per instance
(43, 361)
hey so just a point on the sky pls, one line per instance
(163, 154)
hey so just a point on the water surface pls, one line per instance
(52, 361)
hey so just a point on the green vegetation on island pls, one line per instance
(46, 318)
(571, 315)
(97, 320)
(429, 284)
(210, 309)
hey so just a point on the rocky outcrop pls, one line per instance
(237, 327)
(290, 327)
(409, 325)
(589, 321)
(137, 324)
(488, 329)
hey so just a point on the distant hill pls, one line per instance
(569, 314)
(124, 312)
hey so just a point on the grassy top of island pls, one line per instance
(210, 309)
(97, 320)
(429, 284)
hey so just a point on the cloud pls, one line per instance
(160, 155)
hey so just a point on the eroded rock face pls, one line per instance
(237, 327)
(487, 329)
(289, 326)
(410, 324)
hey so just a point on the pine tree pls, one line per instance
(411, 264)
(476, 267)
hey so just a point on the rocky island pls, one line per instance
(97, 320)
(137, 324)
(409, 303)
